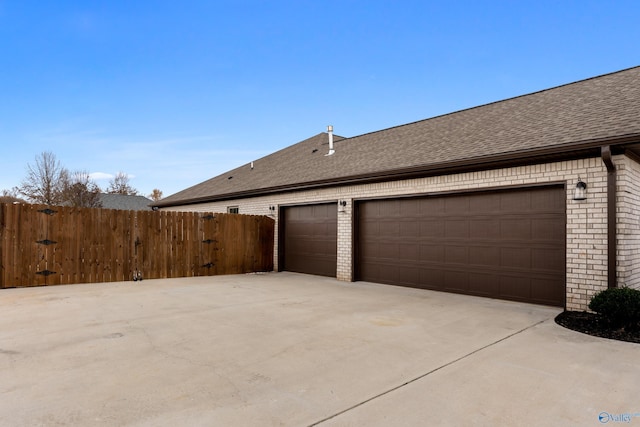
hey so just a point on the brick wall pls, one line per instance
(628, 219)
(586, 255)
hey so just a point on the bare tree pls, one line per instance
(9, 193)
(120, 185)
(10, 196)
(79, 190)
(44, 180)
(155, 195)
(9, 199)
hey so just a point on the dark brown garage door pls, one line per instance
(508, 245)
(310, 239)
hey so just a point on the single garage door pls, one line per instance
(507, 244)
(310, 239)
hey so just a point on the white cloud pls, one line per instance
(100, 176)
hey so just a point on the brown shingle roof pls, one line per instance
(565, 118)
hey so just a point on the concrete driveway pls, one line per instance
(285, 349)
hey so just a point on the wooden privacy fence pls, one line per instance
(52, 245)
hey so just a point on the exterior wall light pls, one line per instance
(580, 191)
(272, 211)
(342, 206)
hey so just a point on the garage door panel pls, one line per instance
(389, 250)
(515, 258)
(456, 281)
(515, 229)
(548, 259)
(371, 272)
(325, 247)
(298, 228)
(542, 201)
(296, 246)
(323, 210)
(485, 205)
(483, 228)
(409, 275)
(390, 210)
(300, 212)
(456, 205)
(369, 211)
(457, 229)
(410, 251)
(515, 287)
(432, 228)
(317, 230)
(548, 228)
(456, 254)
(369, 228)
(483, 284)
(432, 252)
(312, 265)
(370, 252)
(430, 278)
(545, 291)
(431, 206)
(389, 273)
(409, 208)
(508, 244)
(409, 229)
(329, 230)
(389, 229)
(332, 229)
(310, 239)
(484, 255)
(515, 202)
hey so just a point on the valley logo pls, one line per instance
(605, 417)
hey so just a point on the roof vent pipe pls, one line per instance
(330, 132)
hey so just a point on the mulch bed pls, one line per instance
(594, 324)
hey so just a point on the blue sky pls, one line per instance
(173, 93)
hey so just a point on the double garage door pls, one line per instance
(503, 244)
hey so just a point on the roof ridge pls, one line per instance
(494, 102)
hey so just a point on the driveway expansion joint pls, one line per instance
(406, 383)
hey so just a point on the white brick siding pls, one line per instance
(586, 256)
(628, 219)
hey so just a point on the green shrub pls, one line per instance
(619, 306)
